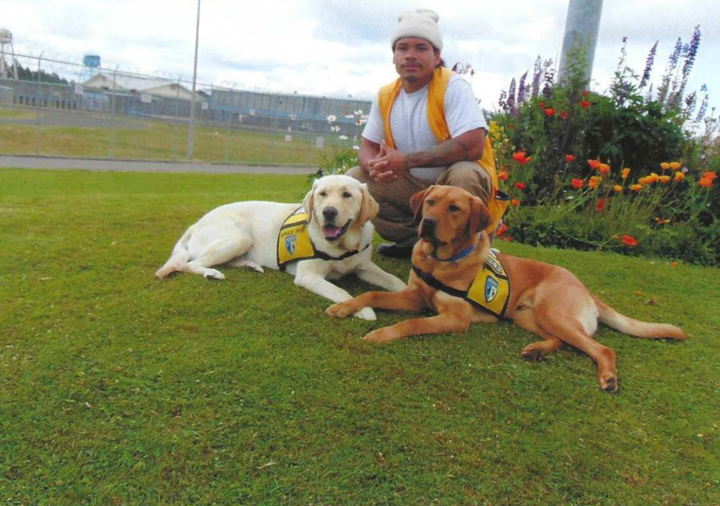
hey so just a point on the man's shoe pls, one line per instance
(395, 251)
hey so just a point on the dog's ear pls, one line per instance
(369, 207)
(480, 218)
(308, 201)
(416, 202)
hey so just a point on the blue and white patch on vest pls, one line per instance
(491, 289)
(291, 243)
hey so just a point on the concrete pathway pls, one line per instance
(43, 162)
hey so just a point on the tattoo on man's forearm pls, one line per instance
(443, 154)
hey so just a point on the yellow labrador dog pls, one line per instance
(454, 273)
(326, 237)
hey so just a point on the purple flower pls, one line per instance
(511, 99)
(537, 74)
(648, 65)
(691, 53)
(521, 90)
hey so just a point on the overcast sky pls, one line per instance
(341, 49)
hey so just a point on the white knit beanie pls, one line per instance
(421, 23)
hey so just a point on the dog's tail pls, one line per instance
(636, 328)
(179, 257)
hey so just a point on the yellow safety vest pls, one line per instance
(294, 242)
(489, 291)
(438, 124)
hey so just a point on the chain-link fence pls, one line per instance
(56, 108)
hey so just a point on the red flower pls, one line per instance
(629, 240)
(520, 186)
(515, 202)
(585, 104)
(569, 158)
(594, 164)
(600, 206)
(550, 112)
(501, 231)
(542, 105)
(585, 93)
(503, 176)
(521, 158)
(512, 126)
(563, 115)
(577, 183)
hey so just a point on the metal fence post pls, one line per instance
(113, 131)
(37, 109)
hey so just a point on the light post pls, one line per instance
(191, 126)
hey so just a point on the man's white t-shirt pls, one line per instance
(410, 126)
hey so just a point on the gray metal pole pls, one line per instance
(37, 109)
(113, 132)
(581, 28)
(191, 126)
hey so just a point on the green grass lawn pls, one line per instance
(159, 141)
(119, 389)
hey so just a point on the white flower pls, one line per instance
(335, 128)
(359, 111)
(356, 148)
(343, 137)
(332, 118)
(349, 116)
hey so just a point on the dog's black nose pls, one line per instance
(427, 228)
(330, 213)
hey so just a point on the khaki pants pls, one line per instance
(395, 221)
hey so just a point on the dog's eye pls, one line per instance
(323, 193)
(430, 202)
(453, 208)
(347, 195)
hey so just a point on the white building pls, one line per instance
(155, 87)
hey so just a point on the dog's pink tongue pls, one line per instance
(331, 232)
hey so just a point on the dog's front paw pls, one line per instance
(380, 336)
(366, 313)
(340, 310)
(214, 274)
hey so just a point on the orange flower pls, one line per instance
(577, 183)
(629, 240)
(710, 174)
(594, 164)
(673, 264)
(618, 188)
(594, 182)
(501, 231)
(675, 165)
(644, 180)
(550, 112)
(503, 176)
(515, 202)
(604, 168)
(705, 182)
(584, 104)
(665, 166)
(521, 158)
(569, 158)
(625, 172)
(636, 187)
(679, 176)
(661, 221)
(664, 179)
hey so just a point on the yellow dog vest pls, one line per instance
(498, 201)
(294, 242)
(489, 291)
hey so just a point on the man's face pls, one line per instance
(415, 59)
